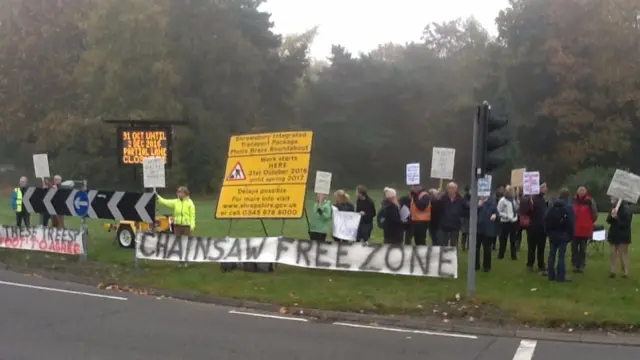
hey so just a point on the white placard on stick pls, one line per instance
(323, 183)
(625, 186)
(442, 163)
(153, 172)
(531, 183)
(413, 174)
(41, 165)
(484, 186)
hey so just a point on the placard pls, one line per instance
(413, 174)
(517, 177)
(531, 183)
(153, 172)
(442, 163)
(41, 165)
(345, 224)
(323, 183)
(625, 186)
(484, 186)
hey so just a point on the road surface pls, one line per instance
(52, 320)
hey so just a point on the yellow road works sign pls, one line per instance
(266, 176)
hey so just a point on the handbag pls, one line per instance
(525, 220)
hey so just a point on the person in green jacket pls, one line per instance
(184, 212)
(320, 219)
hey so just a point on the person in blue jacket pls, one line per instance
(559, 225)
(487, 231)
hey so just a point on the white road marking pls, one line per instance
(525, 350)
(61, 290)
(462, 336)
(268, 316)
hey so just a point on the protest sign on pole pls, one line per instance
(517, 177)
(41, 165)
(531, 183)
(484, 186)
(413, 174)
(323, 182)
(442, 164)
(153, 172)
(625, 186)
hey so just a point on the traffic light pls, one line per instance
(490, 141)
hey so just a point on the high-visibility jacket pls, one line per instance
(16, 200)
(184, 211)
(420, 215)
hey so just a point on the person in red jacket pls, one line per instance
(584, 207)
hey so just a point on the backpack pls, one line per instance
(557, 219)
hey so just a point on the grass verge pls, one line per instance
(507, 294)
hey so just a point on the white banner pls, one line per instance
(432, 261)
(345, 224)
(47, 239)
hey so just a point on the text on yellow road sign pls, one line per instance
(261, 202)
(267, 169)
(292, 142)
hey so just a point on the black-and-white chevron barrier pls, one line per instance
(94, 204)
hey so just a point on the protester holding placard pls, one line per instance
(184, 212)
(619, 236)
(57, 221)
(586, 212)
(509, 223)
(389, 219)
(45, 217)
(452, 209)
(419, 203)
(435, 212)
(343, 203)
(535, 209)
(320, 218)
(487, 231)
(367, 210)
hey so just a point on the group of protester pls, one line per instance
(22, 215)
(502, 219)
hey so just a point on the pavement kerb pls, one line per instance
(407, 322)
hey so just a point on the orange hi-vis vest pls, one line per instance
(420, 215)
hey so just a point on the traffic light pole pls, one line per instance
(473, 211)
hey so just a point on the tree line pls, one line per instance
(564, 72)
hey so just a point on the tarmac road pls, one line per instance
(52, 320)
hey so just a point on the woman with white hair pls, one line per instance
(389, 218)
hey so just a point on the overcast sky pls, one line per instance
(360, 25)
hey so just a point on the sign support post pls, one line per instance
(473, 211)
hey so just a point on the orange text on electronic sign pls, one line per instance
(137, 145)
